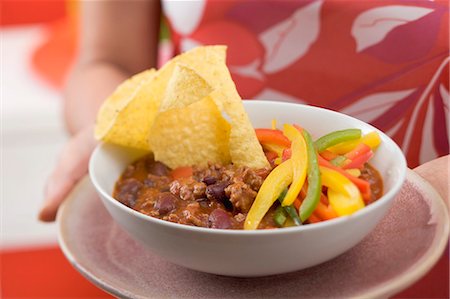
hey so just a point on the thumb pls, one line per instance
(72, 165)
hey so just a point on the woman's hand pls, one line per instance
(436, 173)
(72, 165)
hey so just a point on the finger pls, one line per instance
(436, 172)
(72, 165)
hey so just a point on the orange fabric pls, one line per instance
(43, 273)
(31, 11)
(53, 59)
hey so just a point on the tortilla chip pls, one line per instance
(193, 135)
(124, 117)
(209, 63)
(184, 88)
(127, 116)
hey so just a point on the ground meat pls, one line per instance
(193, 215)
(173, 218)
(241, 196)
(212, 172)
(239, 217)
(188, 189)
(249, 177)
(199, 200)
(157, 182)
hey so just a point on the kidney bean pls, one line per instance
(158, 168)
(165, 203)
(209, 180)
(216, 192)
(128, 191)
(219, 219)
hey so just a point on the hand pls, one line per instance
(71, 167)
(436, 173)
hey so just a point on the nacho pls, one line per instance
(184, 88)
(189, 128)
(127, 115)
(124, 117)
(193, 135)
(210, 63)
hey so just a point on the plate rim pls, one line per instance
(397, 284)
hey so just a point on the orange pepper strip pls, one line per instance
(325, 212)
(328, 155)
(358, 161)
(359, 150)
(181, 172)
(272, 136)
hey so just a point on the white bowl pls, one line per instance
(260, 252)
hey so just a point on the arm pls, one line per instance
(118, 39)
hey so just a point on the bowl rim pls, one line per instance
(384, 199)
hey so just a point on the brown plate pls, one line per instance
(401, 249)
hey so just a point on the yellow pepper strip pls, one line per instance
(278, 179)
(299, 158)
(276, 148)
(274, 124)
(354, 172)
(372, 139)
(278, 161)
(343, 195)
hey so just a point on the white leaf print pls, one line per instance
(422, 98)
(445, 101)
(427, 151)
(445, 95)
(290, 39)
(372, 26)
(249, 70)
(394, 129)
(269, 94)
(184, 16)
(187, 44)
(373, 106)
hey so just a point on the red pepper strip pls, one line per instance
(271, 156)
(359, 150)
(326, 154)
(272, 136)
(359, 161)
(362, 185)
(181, 172)
(297, 203)
(314, 219)
(286, 154)
(324, 199)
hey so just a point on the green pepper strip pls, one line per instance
(336, 137)
(312, 198)
(280, 216)
(338, 160)
(290, 210)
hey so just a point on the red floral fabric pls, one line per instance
(385, 62)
